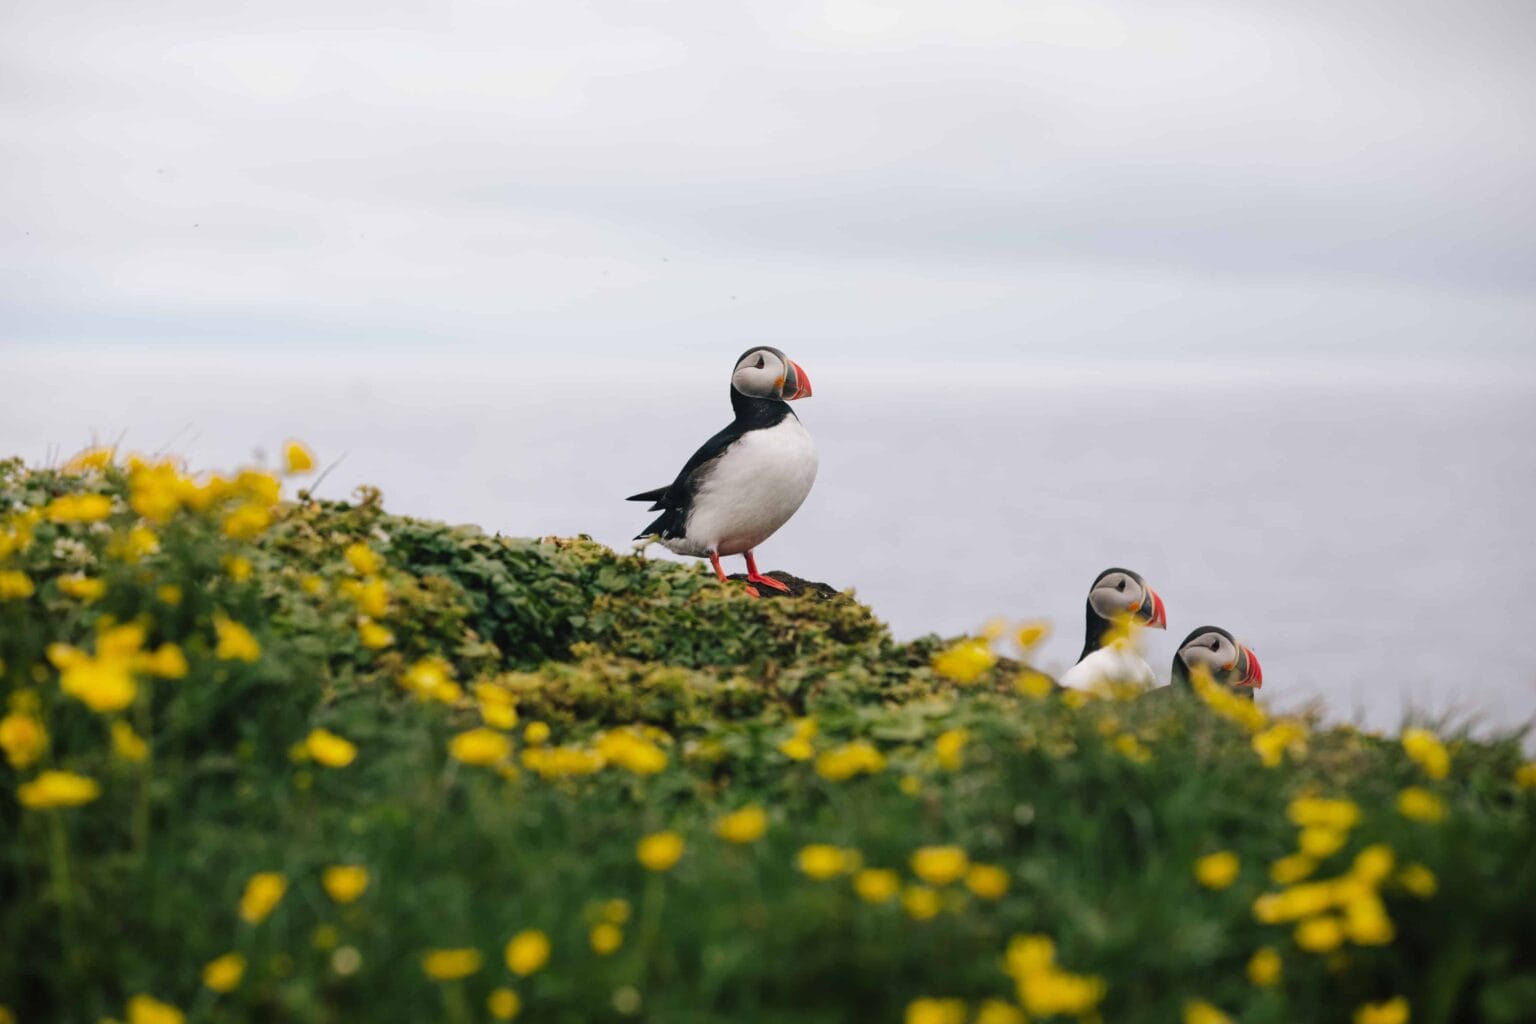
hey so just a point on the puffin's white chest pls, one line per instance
(752, 490)
(1113, 664)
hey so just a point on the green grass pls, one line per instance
(135, 891)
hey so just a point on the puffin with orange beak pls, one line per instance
(1214, 651)
(1118, 602)
(747, 480)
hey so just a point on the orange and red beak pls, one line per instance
(1152, 611)
(797, 383)
(1248, 662)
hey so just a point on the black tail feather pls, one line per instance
(655, 496)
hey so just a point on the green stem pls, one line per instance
(63, 885)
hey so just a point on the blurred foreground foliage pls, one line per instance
(306, 760)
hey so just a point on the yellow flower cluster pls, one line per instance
(1426, 750)
(1217, 870)
(659, 851)
(1329, 913)
(1419, 804)
(822, 861)
(57, 789)
(860, 757)
(1286, 736)
(935, 1011)
(482, 747)
(798, 746)
(940, 865)
(263, 892)
(23, 738)
(1044, 989)
(949, 748)
(965, 662)
(632, 748)
(1227, 704)
(432, 679)
(329, 749)
(746, 825)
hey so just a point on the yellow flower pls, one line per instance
(1307, 811)
(101, 684)
(659, 851)
(1320, 841)
(822, 861)
(127, 744)
(144, 1009)
(297, 459)
(364, 560)
(1034, 685)
(78, 508)
(1420, 804)
(263, 891)
(1031, 634)
(1525, 775)
(238, 567)
(995, 1011)
(631, 750)
(224, 973)
(372, 635)
(536, 733)
(1320, 934)
(1198, 1011)
(605, 938)
(98, 457)
(329, 749)
(15, 585)
(235, 642)
(57, 789)
(169, 593)
(876, 885)
(503, 1004)
(950, 749)
(134, 545)
(614, 911)
(429, 680)
(1393, 1011)
(371, 597)
(246, 521)
(450, 964)
(527, 951)
(987, 881)
(1425, 748)
(1418, 880)
(1366, 921)
(920, 902)
(1217, 870)
(344, 883)
(911, 785)
(965, 662)
(166, 661)
(797, 748)
(1129, 746)
(1264, 967)
(857, 758)
(499, 716)
(23, 738)
(481, 747)
(1274, 743)
(87, 589)
(939, 865)
(1373, 864)
(744, 826)
(1292, 868)
(935, 1011)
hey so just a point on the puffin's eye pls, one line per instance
(759, 362)
(1215, 645)
(1120, 585)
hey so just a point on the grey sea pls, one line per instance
(1368, 529)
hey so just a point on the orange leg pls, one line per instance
(714, 560)
(753, 576)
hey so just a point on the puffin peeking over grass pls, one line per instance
(1214, 651)
(1118, 601)
(747, 480)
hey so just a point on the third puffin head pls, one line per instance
(1120, 596)
(765, 372)
(1213, 650)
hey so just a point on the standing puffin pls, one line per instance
(1213, 650)
(1117, 597)
(747, 480)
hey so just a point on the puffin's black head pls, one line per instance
(765, 372)
(1120, 595)
(1213, 650)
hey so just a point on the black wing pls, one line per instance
(673, 501)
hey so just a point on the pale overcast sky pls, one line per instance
(993, 178)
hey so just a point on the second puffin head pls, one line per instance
(765, 372)
(1121, 593)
